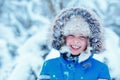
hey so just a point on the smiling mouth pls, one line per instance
(75, 47)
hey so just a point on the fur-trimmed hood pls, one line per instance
(88, 23)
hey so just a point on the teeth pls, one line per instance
(75, 46)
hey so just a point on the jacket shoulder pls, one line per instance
(97, 62)
(102, 69)
(54, 60)
(51, 62)
(48, 65)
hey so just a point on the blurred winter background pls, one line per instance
(23, 35)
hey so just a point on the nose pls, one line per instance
(76, 41)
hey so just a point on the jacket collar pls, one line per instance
(81, 58)
(65, 52)
(85, 55)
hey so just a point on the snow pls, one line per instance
(25, 65)
(23, 35)
(5, 57)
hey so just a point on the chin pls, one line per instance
(75, 53)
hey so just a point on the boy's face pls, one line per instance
(76, 43)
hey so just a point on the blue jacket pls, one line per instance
(59, 69)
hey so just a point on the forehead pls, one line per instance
(78, 35)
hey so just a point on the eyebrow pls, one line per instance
(70, 35)
(79, 36)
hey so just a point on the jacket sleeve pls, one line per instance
(104, 73)
(44, 73)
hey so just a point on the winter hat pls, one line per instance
(76, 25)
(77, 21)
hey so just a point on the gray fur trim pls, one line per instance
(95, 26)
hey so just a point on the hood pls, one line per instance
(84, 20)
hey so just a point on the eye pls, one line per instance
(70, 36)
(83, 37)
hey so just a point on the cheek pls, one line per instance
(68, 41)
(84, 45)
